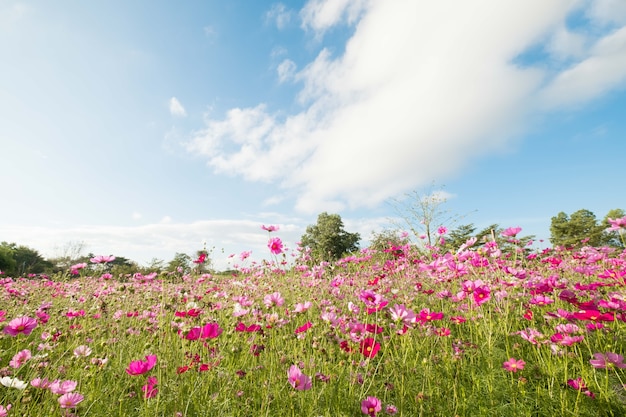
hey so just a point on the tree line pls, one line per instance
(327, 240)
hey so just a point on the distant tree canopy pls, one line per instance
(387, 239)
(21, 260)
(181, 261)
(328, 240)
(583, 228)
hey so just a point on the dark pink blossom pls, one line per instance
(371, 406)
(275, 245)
(141, 367)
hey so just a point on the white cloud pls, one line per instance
(136, 215)
(177, 109)
(604, 69)
(566, 44)
(166, 220)
(279, 14)
(286, 70)
(608, 11)
(422, 89)
(320, 15)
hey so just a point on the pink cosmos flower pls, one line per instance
(4, 411)
(70, 400)
(273, 299)
(201, 259)
(514, 365)
(607, 360)
(150, 390)
(481, 295)
(62, 387)
(391, 409)
(302, 307)
(42, 383)
(617, 224)
(541, 300)
(297, 379)
(24, 325)
(399, 312)
(102, 259)
(82, 351)
(426, 316)
(275, 245)
(371, 406)
(579, 385)
(19, 358)
(511, 231)
(270, 228)
(141, 367)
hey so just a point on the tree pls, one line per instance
(459, 236)
(328, 240)
(580, 228)
(24, 260)
(7, 263)
(613, 238)
(69, 254)
(387, 238)
(181, 260)
(29, 261)
(424, 214)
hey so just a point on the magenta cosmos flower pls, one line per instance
(275, 245)
(297, 379)
(141, 367)
(19, 325)
(371, 406)
(208, 331)
(514, 365)
(150, 390)
(369, 347)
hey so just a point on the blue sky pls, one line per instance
(146, 128)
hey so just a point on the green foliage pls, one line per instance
(581, 228)
(328, 240)
(613, 238)
(459, 236)
(386, 239)
(180, 260)
(24, 260)
(7, 262)
(423, 214)
(452, 365)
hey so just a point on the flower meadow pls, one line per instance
(406, 332)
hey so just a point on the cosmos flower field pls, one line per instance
(478, 332)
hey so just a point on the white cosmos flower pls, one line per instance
(13, 382)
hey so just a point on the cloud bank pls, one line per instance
(421, 90)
